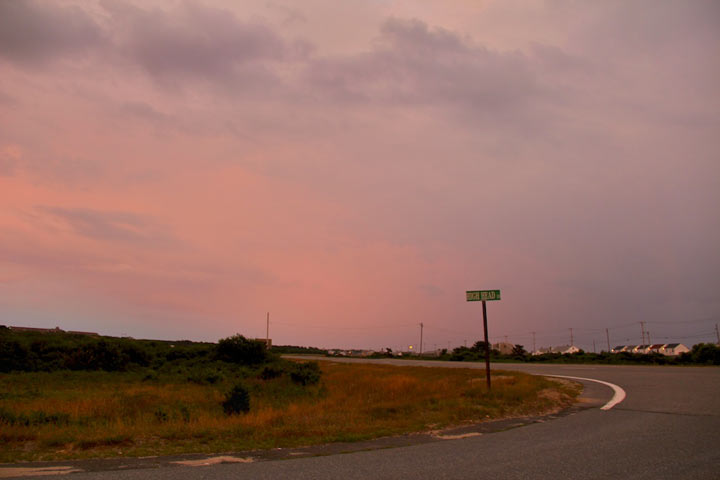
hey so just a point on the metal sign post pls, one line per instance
(483, 296)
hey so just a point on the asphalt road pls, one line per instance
(667, 427)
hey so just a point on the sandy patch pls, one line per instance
(203, 462)
(457, 437)
(28, 471)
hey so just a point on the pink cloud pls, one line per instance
(188, 168)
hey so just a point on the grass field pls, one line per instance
(65, 414)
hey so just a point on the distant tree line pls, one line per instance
(701, 354)
(51, 351)
(280, 349)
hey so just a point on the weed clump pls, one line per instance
(161, 415)
(237, 400)
(33, 418)
(185, 413)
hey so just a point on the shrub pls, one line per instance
(97, 356)
(135, 354)
(270, 372)
(306, 373)
(205, 376)
(237, 400)
(706, 353)
(464, 354)
(238, 349)
(13, 356)
(480, 347)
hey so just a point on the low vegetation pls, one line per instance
(48, 352)
(293, 349)
(701, 354)
(204, 398)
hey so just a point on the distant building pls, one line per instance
(266, 341)
(672, 349)
(567, 349)
(432, 353)
(52, 330)
(351, 353)
(75, 332)
(37, 330)
(562, 349)
(504, 348)
(669, 349)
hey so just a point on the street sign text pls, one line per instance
(482, 295)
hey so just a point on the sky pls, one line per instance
(178, 169)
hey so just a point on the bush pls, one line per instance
(706, 353)
(13, 356)
(204, 376)
(271, 371)
(237, 400)
(464, 354)
(306, 373)
(97, 356)
(135, 354)
(238, 349)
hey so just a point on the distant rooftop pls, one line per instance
(51, 330)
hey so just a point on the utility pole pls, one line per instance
(267, 332)
(466, 339)
(594, 351)
(717, 333)
(642, 327)
(506, 339)
(421, 332)
(534, 349)
(607, 333)
(648, 335)
(572, 339)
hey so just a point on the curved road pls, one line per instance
(667, 427)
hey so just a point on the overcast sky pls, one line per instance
(177, 169)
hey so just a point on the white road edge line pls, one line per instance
(618, 397)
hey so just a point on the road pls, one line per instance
(668, 426)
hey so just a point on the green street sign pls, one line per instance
(482, 295)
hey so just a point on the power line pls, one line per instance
(699, 320)
(558, 331)
(548, 336)
(335, 327)
(454, 332)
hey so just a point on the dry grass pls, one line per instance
(82, 414)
